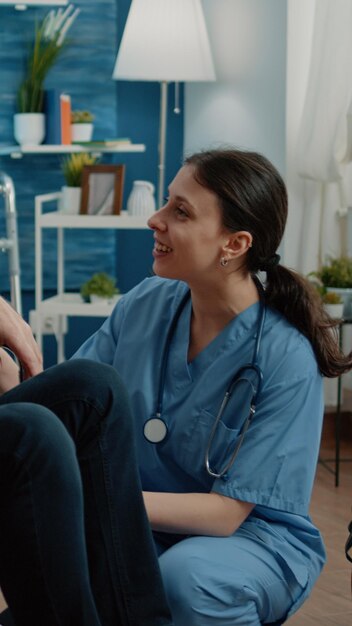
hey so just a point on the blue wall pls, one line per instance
(120, 108)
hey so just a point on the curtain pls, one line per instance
(319, 176)
(319, 138)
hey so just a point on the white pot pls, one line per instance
(334, 310)
(29, 128)
(346, 297)
(141, 200)
(101, 300)
(70, 200)
(81, 132)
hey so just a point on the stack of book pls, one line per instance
(57, 109)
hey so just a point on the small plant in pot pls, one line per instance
(333, 304)
(72, 168)
(81, 126)
(49, 41)
(336, 275)
(99, 288)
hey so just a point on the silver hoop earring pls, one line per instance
(224, 261)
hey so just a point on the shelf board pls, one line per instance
(56, 219)
(32, 3)
(72, 304)
(17, 152)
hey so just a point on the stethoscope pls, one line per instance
(155, 428)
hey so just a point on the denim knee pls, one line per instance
(27, 428)
(27, 418)
(89, 380)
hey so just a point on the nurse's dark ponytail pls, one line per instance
(253, 197)
(298, 301)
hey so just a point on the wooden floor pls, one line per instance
(330, 603)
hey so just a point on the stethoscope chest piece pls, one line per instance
(155, 430)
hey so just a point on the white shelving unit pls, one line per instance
(63, 304)
(17, 152)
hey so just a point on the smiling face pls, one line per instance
(189, 235)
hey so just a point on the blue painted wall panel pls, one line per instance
(84, 71)
(121, 108)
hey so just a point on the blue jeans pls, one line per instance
(76, 547)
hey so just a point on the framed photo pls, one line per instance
(102, 189)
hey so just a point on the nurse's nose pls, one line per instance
(157, 221)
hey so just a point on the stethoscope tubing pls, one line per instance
(253, 365)
(166, 350)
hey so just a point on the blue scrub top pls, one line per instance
(276, 464)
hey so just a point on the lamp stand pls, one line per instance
(162, 143)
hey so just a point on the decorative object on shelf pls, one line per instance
(57, 109)
(141, 200)
(333, 304)
(49, 40)
(102, 189)
(81, 126)
(99, 288)
(336, 275)
(164, 42)
(72, 168)
(29, 128)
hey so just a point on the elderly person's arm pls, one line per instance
(16, 334)
(9, 372)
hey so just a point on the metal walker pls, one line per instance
(9, 244)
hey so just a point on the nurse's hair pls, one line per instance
(253, 197)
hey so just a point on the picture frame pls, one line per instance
(102, 189)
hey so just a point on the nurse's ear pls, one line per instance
(237, 244)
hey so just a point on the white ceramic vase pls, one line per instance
(29, 128)
(81, 132)
(141, 201)
(70, 200)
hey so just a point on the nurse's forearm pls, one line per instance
(195, 513)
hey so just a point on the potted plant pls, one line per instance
(336, 275)
(333, 304)
(49, 39)
(99, 288)
(81, 126)
(72, 168)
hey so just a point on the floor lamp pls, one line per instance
(164, 41)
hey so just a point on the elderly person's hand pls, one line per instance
(16, 334)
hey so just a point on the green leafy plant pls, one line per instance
(72, 167)
(49, 40)
(336, 273)
(100, 284)
(82, 117)
(331, 297)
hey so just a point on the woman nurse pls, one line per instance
(235, 541)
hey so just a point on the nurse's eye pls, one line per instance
(181, 212)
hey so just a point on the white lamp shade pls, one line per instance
(165, 40)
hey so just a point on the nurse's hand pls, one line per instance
(17, 335)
